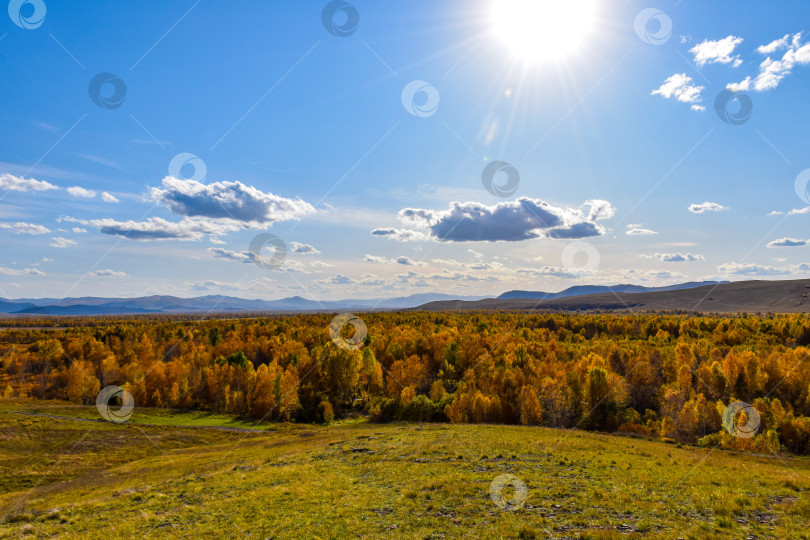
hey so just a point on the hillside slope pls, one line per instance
(76, 479)
(790, 296)
(582, 290)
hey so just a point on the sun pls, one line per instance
(543, 30)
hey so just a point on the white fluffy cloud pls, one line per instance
(248, 257)
(706, 207)
(775, 45)
(554, 271)
(108, 273)
(80, 192)
(238, 256)
(304, 249)
(787, 242)
(159, 228)
(637, 229)
(60, 242)
(406, 261)
(228, 200)
(675, 257)
(20, 272)
(512, 221)
(401, 235)
(750, 269)
(106, 197)
(17, 183)
(25, 228)
(680, 87)
(377, 259)
(771, 71)
(720, 51)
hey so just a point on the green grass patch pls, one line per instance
(179, 478)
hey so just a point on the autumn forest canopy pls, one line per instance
(667, 376)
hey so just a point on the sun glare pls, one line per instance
(543, 30)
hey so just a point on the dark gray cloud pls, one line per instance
(512, 221)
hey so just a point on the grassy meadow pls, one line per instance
(179, 474)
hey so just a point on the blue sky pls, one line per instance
(305, 135)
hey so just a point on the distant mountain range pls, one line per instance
(581, 290)
(751, 296)
(213, 304)
(788, 296)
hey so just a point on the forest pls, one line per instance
(667, 376)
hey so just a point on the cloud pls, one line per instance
(79, 230)
(554, 271)
(25, 228)
(106, 197)
(421, 280)
(401, 235)
(59, 242)
(159, 228)
(799, 211)
(20, 272)
(775, 45)
(599, 210)
(719, 51)
(771, 72)
(512, 221)
(742, 86)
(647, 275)
(337, 280)
(749, 269)
(108, 273)
(408, 262)
(238, 256)
(476, 254)
(306, 249)
(227, 200)
(699, 108)
(676, 257)
(17, 183)
(248, 257)
(638, 230)
(706, 207)
(210, 285)
(376, 259)
(80, 192)
(680, 87)
(787, 242)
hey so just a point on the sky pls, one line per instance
(364, 149)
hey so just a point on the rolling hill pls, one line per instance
(789, 296)
(581, 290)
